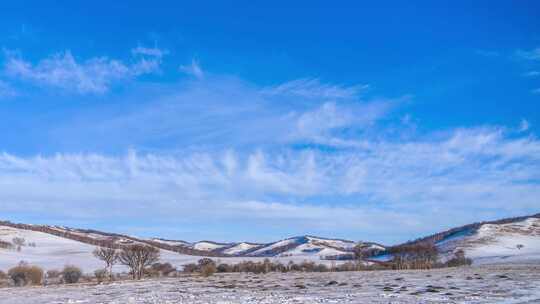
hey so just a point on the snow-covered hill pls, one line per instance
(305, 246)
(52, 247)
(240, 248)
(514, 240)
(295, 246)
(50, 251)
(54, 252)
(493, 243)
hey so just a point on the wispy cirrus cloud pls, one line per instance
(95, 75)
(219, 112)
(314, 88)
(410, 182)
(524, 125)
(194, 69)
(533, 54)
(532, 74)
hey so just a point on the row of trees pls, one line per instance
(417, 255)
(143, 260)
(208, 267)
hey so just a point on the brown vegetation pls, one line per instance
(25, 274)
(71, 274)
(207, 267)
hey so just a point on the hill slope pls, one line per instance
(493, 243)
(509, 240)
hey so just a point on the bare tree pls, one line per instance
(109, 256)
(137, 258)
(18, 242)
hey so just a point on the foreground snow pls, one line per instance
(482, 284)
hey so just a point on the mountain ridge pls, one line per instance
(300, 246)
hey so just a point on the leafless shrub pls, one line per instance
(100, 275)
(190, 268)
(71, 274)
(208, 270)
(223, 268)
(137, 258)
(207, 267)
(4, 282)
(53, 274)
(5, 245)
(24, 274)
(162, 269)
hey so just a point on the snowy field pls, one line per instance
(478, 284)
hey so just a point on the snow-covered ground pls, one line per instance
(480, 284)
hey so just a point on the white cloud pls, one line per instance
(95, 75)
(532, 74)
(464, 172)
(154, 52)
(524, 125)
(323, 124)
(194, 69)
(533, 54)
(313, 88)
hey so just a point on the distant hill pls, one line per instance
(507, 240)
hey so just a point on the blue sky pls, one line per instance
(249, 122)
